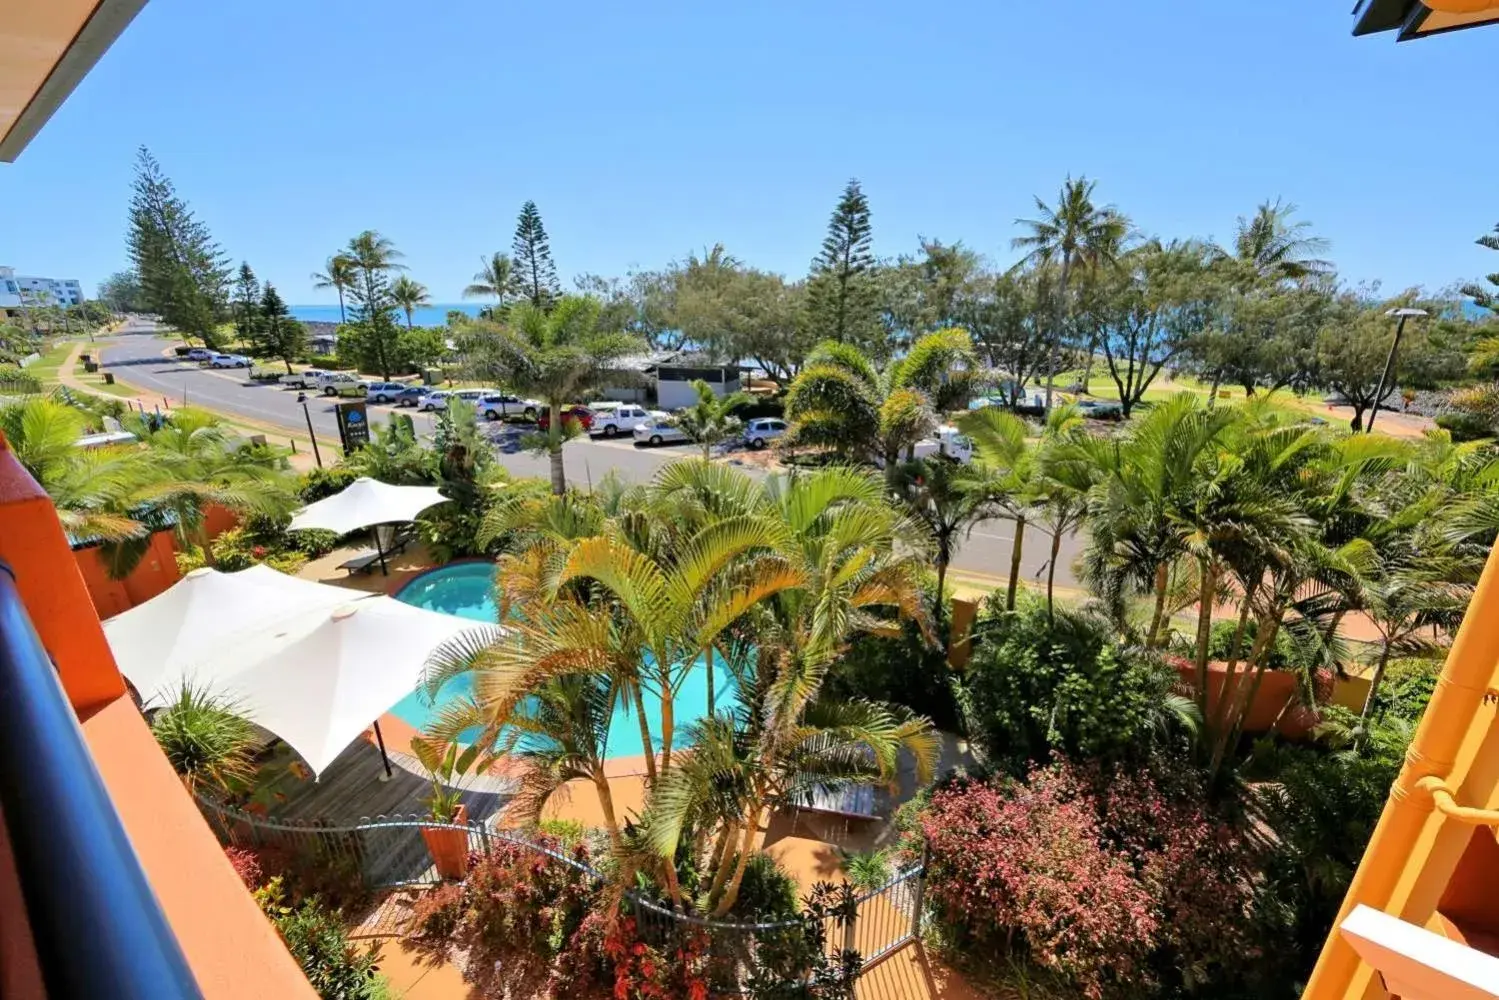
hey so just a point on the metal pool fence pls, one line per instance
(388, 852)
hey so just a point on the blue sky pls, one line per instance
(645, 130)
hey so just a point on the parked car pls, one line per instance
(1100, 409)
(342, 384)
(386, 392)
(494, 405)
(577, 414)
(303, 379)
(199, 354)
(622, 419)
(948, 442)
(413, 395)
(661, 428)
(433, 401)
(229, 361)
(760, 432)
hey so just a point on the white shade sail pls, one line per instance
(364, 503)
(204, 613)
(312, 663)
(322, 678)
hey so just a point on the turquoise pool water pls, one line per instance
(466, 590)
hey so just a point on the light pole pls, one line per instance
(1402, 315)
(302, 398)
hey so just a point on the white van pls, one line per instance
(622, 419)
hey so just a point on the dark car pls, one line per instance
(576, 414)
(412, 395)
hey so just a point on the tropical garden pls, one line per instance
(1127, 819)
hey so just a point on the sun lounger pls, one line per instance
(364, 562)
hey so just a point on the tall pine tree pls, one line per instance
(246, 303)
(842, 295)
(277, 334)
(374, 258)
(184, 276)
(531, 257)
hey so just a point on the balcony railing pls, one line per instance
(96, 926)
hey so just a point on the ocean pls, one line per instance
(433, 315)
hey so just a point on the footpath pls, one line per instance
(139, 399)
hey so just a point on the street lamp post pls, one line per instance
(1401, 315)
(302, 398)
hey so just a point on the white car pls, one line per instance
(495, 405)
(434, 401)
(342, 384)
(948, 442)
(304, 379)
(199, 354)
(622, 419)
(229, 361)
(385, 392)
(763, 430)
(661, 428)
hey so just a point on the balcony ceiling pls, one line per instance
(46, 48)
(1416, 19)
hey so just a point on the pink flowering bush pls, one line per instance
(1112, 884)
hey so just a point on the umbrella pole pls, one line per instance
(384, 759)
(380, 551)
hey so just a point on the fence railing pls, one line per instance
(389, 852)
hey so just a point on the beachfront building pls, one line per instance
(111, 882)
(1421, 918)
(18, 291)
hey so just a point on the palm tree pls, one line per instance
(200, 466)
(409, 295)
(949, 501)
(1005, 463)
(1276, 248)
(1074, 234)
(555, 354)
(97, 491)
(710, 420)
(338, 274)
(1138, 512)
(841, 401)
(1061, 486)
(496, 279)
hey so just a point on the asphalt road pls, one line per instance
(138, 355)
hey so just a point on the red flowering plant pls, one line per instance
(520, 899)
(1112, 884)
(246, 866)
(645, 972)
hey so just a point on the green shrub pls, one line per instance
(319, 484)
(1407, 687)
(1285, 655)
(1035, 686)
(866, 870)
(906, 670)
(768, 891)
(315, 936)
(567, 832)
(1465, 426)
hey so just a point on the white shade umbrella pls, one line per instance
(157, 643)
(321, 678)
(365, 503)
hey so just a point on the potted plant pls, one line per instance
(446, 764)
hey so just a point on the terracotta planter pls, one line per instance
(449, 848)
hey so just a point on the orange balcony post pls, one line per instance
(1445, 727)
(33, 544)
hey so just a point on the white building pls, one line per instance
(17, 290)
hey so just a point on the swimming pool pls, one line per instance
(467, 590)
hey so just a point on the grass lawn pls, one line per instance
(47, 366)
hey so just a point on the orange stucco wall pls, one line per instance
(234, 952)
(156, 572)
(1276, 689)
